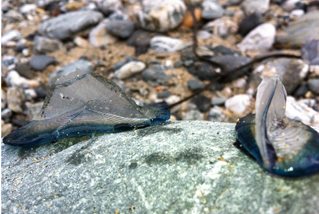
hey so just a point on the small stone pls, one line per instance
(218, 101)
(13, 16)
(250, 22)
(99, 36)
(71, 6)
(301, 112)
(295, 14)
(255, 6)
(10, 36)
(188, 63)
(6, 128)
(30, 94)
(239, 83)
(301, 91)
(41, 91)
(26, 52)
(310, 52)
(202, 103)
(45, 45)
(204, 34)
(33, 110)
(161, 15)
(118, 15)
(216, 114)
(260, 38)
(238, 103)
(24, 70)
(212, 10)
(14, 79)
(290, 5)
(15, 99)
(155, 75)
(193, 115)
(205, 71)
(129, 59)
(118, 65)
(299, 32)
(82, 43)
(164, 44)
(188, 18)
(313, 85)
(40, 62)
(8, 60)
(108, 6)
(164, 95)
(68, 24)
(140, 39)
(172, 99)
(195, 85)
(84, 65)
(6, 114)
(27, 8)
(129, 69)
(178, 64)
(121, 29)
(3, 99)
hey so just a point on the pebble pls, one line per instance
(15, 99)
(310, 52)
(165, 44)
(164, 95)
(204, 34)
(8, 60)
(99, 36)
(71, 6)
(6, 114)
(30, 94)
(188, 18)
(291, 72)
(239, 83)
(253, 6)
(212, 9)
(155, 76)
(118, 16)
(9, 37)
(301, 112)
(26, 52)
(250, 22)
(27, 8)
(40, 62)
(299, 32)
(24, 70)
(161, 16)
(14, 79)
(216, 114)
(3, 99)
(205, 71)
(140, 39)
(172, 99)
(68, 24)
(6, 128)
(218, 101)
(121, 29)
(195, 84)
(44, 45)
(41, 91)
(260, 38)
(222, 27)
(108, 6)
(238, 103)
(129, 69)
(178, 64)
(301, 91)
(13, 16)
(82, 64)
(290, 5)
(313, 85)
(81, 42)
(33, 110)
(193, 115)
(202, 103)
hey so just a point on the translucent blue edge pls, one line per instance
(19, 138)
(308, 165)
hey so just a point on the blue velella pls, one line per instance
(84, 104)
(280, 145)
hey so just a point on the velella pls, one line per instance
(280, 145)
(84, 104)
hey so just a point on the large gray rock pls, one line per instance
(68, 24)
(188, 167)
(299, 32)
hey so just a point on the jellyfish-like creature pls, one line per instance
(280, 145)
(84, 104)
